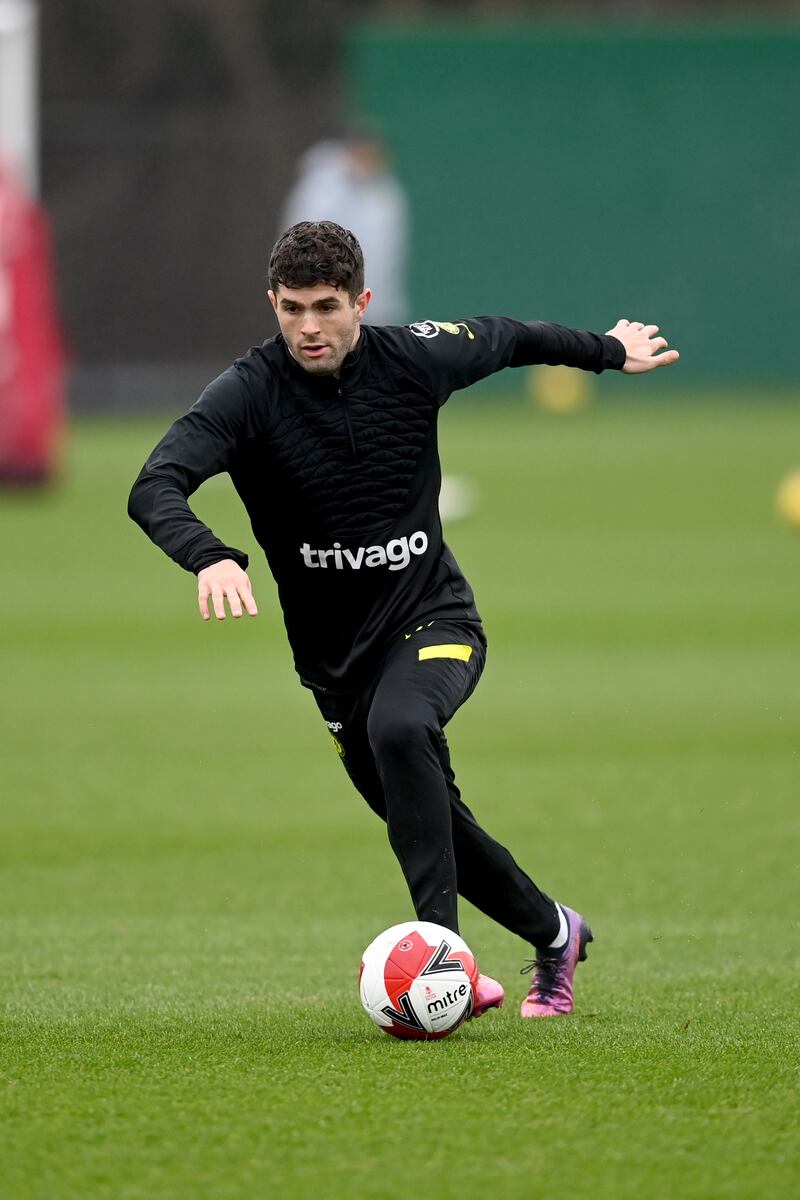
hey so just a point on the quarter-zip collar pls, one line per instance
(332, 387)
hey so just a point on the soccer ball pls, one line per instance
(417, 980)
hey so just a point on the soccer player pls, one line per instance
(328, 432)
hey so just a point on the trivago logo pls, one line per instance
(396, 554)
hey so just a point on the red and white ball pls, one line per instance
(418, 980)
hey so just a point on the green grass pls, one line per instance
(187, 881)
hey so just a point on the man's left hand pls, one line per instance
(642, 346)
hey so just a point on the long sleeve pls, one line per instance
(200, 444)
(453, 355)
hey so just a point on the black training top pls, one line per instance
(340, 478)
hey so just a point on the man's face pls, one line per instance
(321, 324)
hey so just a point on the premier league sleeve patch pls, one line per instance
(425, 329)
(431, 329)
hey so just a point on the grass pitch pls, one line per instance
(188, 880)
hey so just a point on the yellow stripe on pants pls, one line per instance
(462, 652)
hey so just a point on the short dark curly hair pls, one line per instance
(317, 252)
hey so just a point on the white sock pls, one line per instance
(560, 939)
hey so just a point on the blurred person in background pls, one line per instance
(349, 180)
(329, 433)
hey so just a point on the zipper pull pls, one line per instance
(350, 435)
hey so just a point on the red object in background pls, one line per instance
(32, 375)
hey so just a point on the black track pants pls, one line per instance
(390, 737)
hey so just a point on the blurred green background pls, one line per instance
(616, 170)
(575, 164)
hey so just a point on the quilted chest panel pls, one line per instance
(349, 460)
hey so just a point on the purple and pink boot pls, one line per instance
(550, 993)
(488, 993)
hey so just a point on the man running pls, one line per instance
(329, 433)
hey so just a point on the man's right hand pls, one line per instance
(222, 580)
